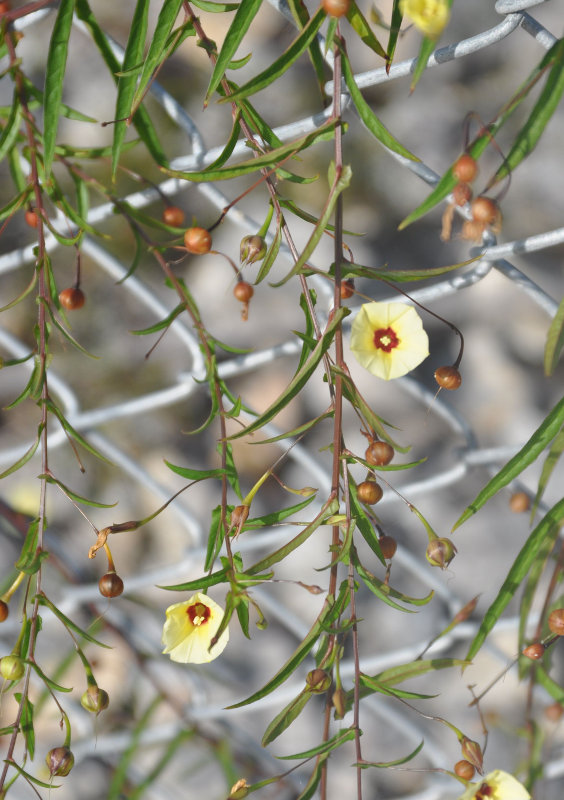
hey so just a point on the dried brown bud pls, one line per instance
(239, 790)
(347, 289)
(554, 712)
(339, 700)
(440, 552)
(466, 611)
(59, 761)
(253, 248)
(461, 194)
(388, 546)
(318, 680)
(239, 516)
(95, 700)
(472, 752)
(534, 651)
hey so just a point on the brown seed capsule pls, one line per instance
(485, 210)
(339, 700)
(388, 546)
(369, 492)
(72, 298)
(318, 680)
(472, 231)
(519, 502)
(197, 241)
(239, 790)
(336, 8)
(243, 291)
(347, 289)
(448, 378)
(464, 770)
(472, 752)
(252, 249)
(554, 712)
(95, 699)
(465, 169)
(4, 610)
(239, 516)
(534, 651)
(59, 761)
(378, 454)
(556, 621)
(173, 216)
(461, 194)
(31, 219)
(110, 585)
(440, 552)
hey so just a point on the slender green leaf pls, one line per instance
(157, 48)
(547, 529)
(380, 764)
(54, 77)
(27, 722)
(216, 536)
(13, 205)
(399, 275)
(299, 431)
(200, 584)
(73, 495)
(285, 718)
(404, 672)
(29, 777)
(535, 573)
(314, 779)
(377, 687)
(378, 588)
(395, 25)
(346, 735)
(271, 254)
(300, 378)
(28, 289)
(283, 63)
(301, 15)
(195, 474)
(126, 83)
(227, 151)
(328, 613)
(56, 687)
(554, 341)
(244, 15)
(425, 51)
(368, 117)
(363, 523)
(68, 623)
(363, 29)
(64, 110)
(544, 434)
(11, 129)
(27, 456)
(275, 517)
(551, 460)
(215, 8)
(74, 434)
(554, 689)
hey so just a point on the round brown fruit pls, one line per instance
(465, 169)
(534, 651)
(243, 291)
(464, 769)
(519, 502)
(556, 621)
(72, 298)
(198, 241)
(554, 712)
(4, 611)
(388, 546)
(448, 378)
(347, 289)
(173, 216)
(31, 219)
(378, 454)
(461, 194)
(484, 210)
(110, 585)
(336, 8)
(369, 492)
(472, 231)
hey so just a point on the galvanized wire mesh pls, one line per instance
(133, 414)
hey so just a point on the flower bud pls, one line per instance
(339, 700)
(556, 621)
(239, 790)
(59, 761)
(95, 699)
(472, 752)
(534, 651)
(12, 668)
(318, 681)
(388, 546)
(110, 585)
(4, 610)
(464, 770)
(253, 248)
(519, 502)
(440, 552)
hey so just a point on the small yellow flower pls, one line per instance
(498, 785)
(388, 339)
(189, 628)
(430, 16)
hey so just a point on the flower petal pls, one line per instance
(187, 642)
(503, 785)
(429, 16)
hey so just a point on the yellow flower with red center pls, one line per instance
(430, 16)
(498, 785)
(388, 339)
(189, 629)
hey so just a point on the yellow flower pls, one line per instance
(388, 339)
(430, 16)
(498, 785)
(189, 628)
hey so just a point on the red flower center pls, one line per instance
(484, 791)
(198, 613)
(385, 339)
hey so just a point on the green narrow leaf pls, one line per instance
(126, 83)
(215, 8)
(363, 29)
(380, 764)
(11, 129)
(74, 434)
(195, 474)
(285, 718)
(27, 723)
(29, 777)
(27, 456)
(539, 117)
(401, 275)
(543, 435)
(56, 687)
(554, 341)
(543, 679)
(299, 431)
(73, 495)
(547, 529)
(271, 254)
(28, 552)
(368, 117)
(157, 48)
(315, 778)
(216, 536)
(551, 460)
(244, 15)
(528, 595)
(201, 584)
(283, 63)
(300, 378)
(227, 151)
(301, 15)
(395, 25)
(54, 77)
(68, 623)
(331, 744)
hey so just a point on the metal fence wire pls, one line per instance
(167, 732)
